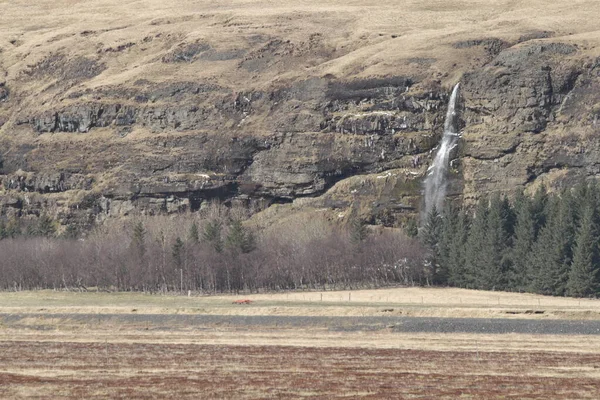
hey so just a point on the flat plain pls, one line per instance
(295, 345)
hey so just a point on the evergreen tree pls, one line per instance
(580, 196)
(583, 277)
(212, 235)
(177, 252)
(3, 233)
(411, 228)
(495, 260)
(539, 208)
(586, 195)
(45, 226)
(523, 239)
(509, 218)
(446, 243)
(551, 256)
(594, 197)
(194, 235)
(430, 236)
(239, 238)
(541, 251)
(138, 240)
(358, 230)
(475, 250)
(457, 253)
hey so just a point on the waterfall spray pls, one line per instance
(436, 182)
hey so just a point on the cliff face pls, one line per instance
(322, 107)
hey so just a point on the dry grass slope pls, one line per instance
(129, 40)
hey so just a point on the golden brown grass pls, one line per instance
(206, 368)
(74, 358)
(110, 332)
(410, 301)
(363, 38)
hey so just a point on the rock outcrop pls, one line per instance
(155, 120)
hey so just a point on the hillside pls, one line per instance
(110, 108)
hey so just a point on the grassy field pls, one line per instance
(150, 370)
(420, 302)
(87, 359)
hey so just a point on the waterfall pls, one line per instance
(436, 182)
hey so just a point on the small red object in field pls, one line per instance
(245, 301)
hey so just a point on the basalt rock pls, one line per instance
(530, 113)
(530, 117)
(46, 182)
(4, 92)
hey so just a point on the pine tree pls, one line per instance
(541, 251)
(138, 240)
(194, 235)
(45, 226)
(523, 239)
(358, 230)
(552, 253)
(446, 243)
(594, 197)
(177, 252)
(239, 238)
(430, 236)
(3, 233)
(475, 249)
(580, 196)
(583, 276)
(539, 208)
(586, 195)
(509, 218)
(457, 253)
(495, 256)
(411, 228)
(212, 235)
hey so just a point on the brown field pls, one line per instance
(52, 357)
(417, 302)
(150, 370)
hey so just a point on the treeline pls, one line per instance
(547, 243)
(214, 250)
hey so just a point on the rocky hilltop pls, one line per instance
(113, 109)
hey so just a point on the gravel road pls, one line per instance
(166, 322)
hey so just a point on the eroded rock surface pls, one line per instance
(302, 111)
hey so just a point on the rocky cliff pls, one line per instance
(308, 106)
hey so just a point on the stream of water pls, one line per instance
(436, 181)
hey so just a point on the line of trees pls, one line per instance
(215, 250)
(547, 243)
